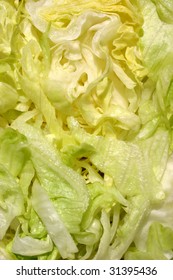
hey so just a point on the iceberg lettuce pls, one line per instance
(86, 117)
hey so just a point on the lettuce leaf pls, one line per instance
(11, 204)
(28, 246)
(86, 129)
(55, 227)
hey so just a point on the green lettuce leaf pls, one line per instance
(11, 200)
(8, 97)
(86, 119)
(14, 151)
(65, 186)
(164, 10)
(55, 227)
(156, 41)
(159, 245)
(8, 21)
(28, 246)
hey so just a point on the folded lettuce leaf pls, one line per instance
(50, 218)
(11, 204)
(28, 246)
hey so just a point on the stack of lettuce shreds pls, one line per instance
(86, 126)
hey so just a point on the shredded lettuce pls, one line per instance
(86, 117)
